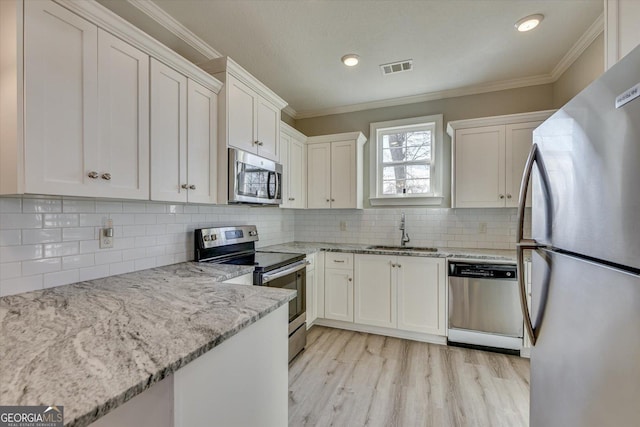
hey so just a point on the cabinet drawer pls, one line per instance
(339, 260)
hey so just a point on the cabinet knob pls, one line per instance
(256, 142)
(392, 265)
(192, 187)
(184, 186)
(260, 143)
(399, 265)
(350, 279)
(508, 196)
(291, 199)
(106, 176)
(93, 175)
(333, 200)
(328, 200)
(501, 196)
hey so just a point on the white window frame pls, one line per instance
(435, 197)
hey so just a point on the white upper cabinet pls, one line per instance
(183, 135)
(202, 138)
(168, 134)
(248, 117)
(622, 31)
(488, 159)
(123, 105)
(76, 102)
(334, 171)
(61, 101)
(294, 167)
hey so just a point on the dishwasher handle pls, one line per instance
(483, 271)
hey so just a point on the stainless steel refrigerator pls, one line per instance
(585, 308)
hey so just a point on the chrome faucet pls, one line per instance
(405, 236)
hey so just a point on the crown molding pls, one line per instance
(579, 47)
(535, 116)
(289, 111)
(430, 96)
(158, 14)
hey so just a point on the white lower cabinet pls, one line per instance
(403, 292)
(375, 290)
(338, 287)
(312, 291)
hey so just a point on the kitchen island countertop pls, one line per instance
(91, 346)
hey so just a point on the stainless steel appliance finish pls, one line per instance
(236, 245)
(585, 160)
(484, 307)
(254, 179)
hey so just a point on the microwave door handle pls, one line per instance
(277, 189)
(269, 185)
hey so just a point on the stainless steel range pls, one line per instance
(236, 245)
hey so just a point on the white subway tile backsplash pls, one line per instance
(78, 206)
(10, 237)
(41, 205)
(145, 263)
(77, 261)
(20, 284)
(60, 220)
(108, 257)
(93, 220)
(78, 233)
(61, 278)
(20, 253)
(95, 272)
(44, 235)
(60, 249)
(109, 207)
(40, 266)
(10, 205)
(12, 221)
(121, 267)
(9, 270)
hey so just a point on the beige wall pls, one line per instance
(580, 74)
(522, 100)
(288, 119)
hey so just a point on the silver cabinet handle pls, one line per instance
(184, 186)
(340, 261)
(501, 196)
(106, 176)
(93, 175)
(192, 187)
(291, 199)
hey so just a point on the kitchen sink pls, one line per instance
(403, 248)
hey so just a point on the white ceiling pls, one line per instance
(295, 46)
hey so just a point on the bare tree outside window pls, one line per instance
(406, 162)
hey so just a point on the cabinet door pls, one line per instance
(375, 290)
(241, 119)
(268, 129)
(297, 173)
(518, 144)
(343, 175)
(421, 295)
(338, 295)
(168, 134)
(479, 179)
(312, 312)
(319, 176)
(61, 101)
(123, 96)
(285, 147)
(202, 131)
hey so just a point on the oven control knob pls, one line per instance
(253, 233)
(206, 237)
(213, 237)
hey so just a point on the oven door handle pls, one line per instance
(268, 277)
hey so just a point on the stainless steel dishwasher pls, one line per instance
(484, 306)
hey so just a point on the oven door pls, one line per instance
(253, 179)
(293, 276)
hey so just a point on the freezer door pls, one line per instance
(591, 151)
(585, 367)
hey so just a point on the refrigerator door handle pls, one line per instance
(530, 244)
(534, 159)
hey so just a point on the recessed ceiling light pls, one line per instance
(528, 23)
(350, 60)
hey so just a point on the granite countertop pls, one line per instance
(92, 346)
(454, 253)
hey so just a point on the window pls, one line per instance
(406, 161)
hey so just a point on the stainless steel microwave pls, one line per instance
(254, 179)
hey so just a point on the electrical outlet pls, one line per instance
(482, 228)
(106, 236)
(343, 225)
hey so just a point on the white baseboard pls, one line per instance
(414, 336)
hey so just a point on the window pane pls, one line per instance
(413, 179)
(417, 171)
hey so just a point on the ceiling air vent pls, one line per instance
(397, 67)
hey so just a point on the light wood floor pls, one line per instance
(351, 379)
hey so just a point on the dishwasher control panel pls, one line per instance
(489, 271)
